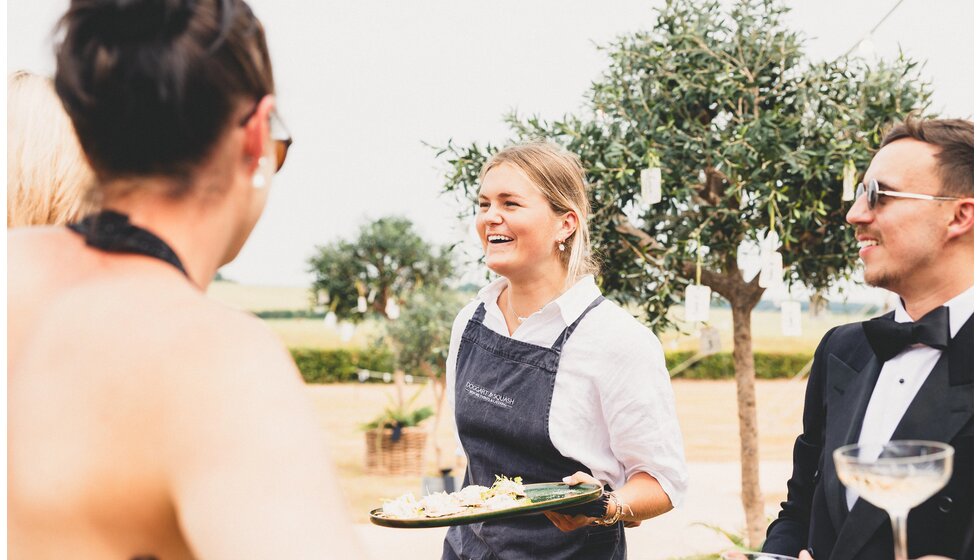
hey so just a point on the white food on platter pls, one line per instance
(505, 493)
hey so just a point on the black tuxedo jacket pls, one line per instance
(815, 514)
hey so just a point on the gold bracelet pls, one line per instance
(617, 512)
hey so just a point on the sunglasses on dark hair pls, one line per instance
(873, 192)
(277, 130)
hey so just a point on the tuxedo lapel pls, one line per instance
(943, 405)
(848, 393)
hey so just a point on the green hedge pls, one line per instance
(339, 366)
(290, 314)
(722, 366)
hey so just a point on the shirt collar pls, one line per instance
(570, 304)
(960, 310)
(574, 301)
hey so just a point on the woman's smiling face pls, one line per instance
(517, 227)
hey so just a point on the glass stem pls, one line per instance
(898, 531)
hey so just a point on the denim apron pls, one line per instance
(503, 394)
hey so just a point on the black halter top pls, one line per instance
(112, 232)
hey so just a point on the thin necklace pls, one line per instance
(510, 306)
(514, 313)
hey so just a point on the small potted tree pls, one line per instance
(420, 341)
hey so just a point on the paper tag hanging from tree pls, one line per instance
(771, 242)
(330, 320)
(346, 331)
(697, 298)
(849, 181)
(792, 318)
(391, 309)
(710, 342)
(361, 304)
(771, 273)
(746, 257)
(650, 189)
(697, 303)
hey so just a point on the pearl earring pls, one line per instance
(258, 179)
(561, 246)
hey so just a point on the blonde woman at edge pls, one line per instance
(580, 389)
(47, 176)
(145, 420)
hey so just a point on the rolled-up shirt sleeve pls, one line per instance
(637, 404)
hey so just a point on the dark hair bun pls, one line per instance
(117, 21)
(151, 84)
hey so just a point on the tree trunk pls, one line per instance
(439, 390)
(747, 423)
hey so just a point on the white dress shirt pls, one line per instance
(613, 407)
(902, 376)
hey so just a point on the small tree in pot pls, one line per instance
(420, 340)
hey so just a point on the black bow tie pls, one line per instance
(888, 337)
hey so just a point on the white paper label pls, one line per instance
(697, 303)
(363, 375)
(710, 342)
(772, 270)
(322, 297)
(849, 182)
(746, 257)
(392, 310)
(771, 243)
(792, 318)
(330, 320)
(650, 192)
(361, 304)
(386, 377)
(346, 331)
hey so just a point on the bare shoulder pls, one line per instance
(32, 250)
(234, 347)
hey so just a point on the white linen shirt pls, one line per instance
(902, 376)
(613, 408)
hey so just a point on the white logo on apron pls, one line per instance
(487, 395)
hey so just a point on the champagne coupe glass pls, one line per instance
(896, 477)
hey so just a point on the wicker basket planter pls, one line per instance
(404, 456)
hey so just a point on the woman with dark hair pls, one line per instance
(145, 420)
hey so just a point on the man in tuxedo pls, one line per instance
(906, 375)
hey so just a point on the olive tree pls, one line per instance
(750, 138)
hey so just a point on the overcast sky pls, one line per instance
(363, 84)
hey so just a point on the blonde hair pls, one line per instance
(48, 178)
(558, 175)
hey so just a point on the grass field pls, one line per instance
(311, 333)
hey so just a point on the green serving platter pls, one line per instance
(544, 496)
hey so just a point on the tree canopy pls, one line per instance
(383, 265)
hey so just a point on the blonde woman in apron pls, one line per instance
(550, 381)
